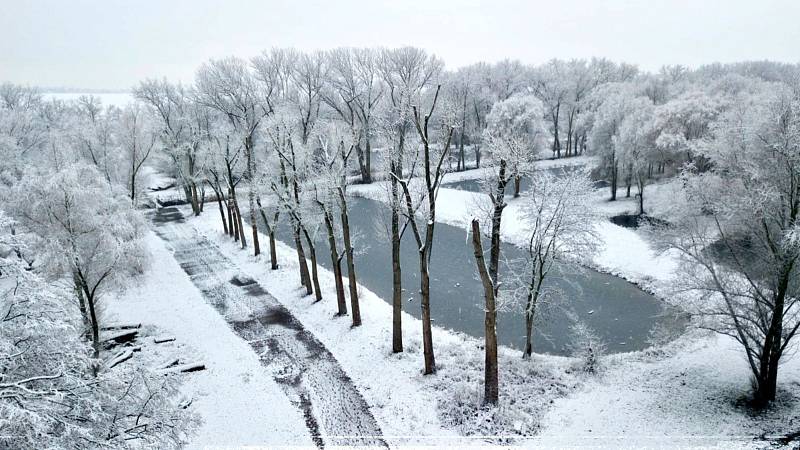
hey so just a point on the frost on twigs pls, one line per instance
(48, 392)
(588, 348)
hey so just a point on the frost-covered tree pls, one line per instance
(406, 72)
(738, 232)
(84, 231)
(561, 230)
(514, 130)
(636, 144)
(136, 138)
(183, 135)
(420, 201)
(615, 102)
(294, 161)
(682, 124)
(229, 87)
(353, 93)
(336, 145)
(48, 395)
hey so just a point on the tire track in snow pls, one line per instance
(335, 412)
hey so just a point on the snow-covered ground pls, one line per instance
(236, 398)
(412, 409)
(681, 393)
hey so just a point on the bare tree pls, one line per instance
(136, 139)
(491, 380)
(560, 227)
(423, 205)
(405, 71)
(228, 86)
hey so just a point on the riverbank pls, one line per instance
(687, 392)
(678, 394)
(393, 384)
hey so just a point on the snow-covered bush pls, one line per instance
(587, 347)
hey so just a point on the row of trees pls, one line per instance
(288, 127)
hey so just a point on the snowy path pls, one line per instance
(334, 410)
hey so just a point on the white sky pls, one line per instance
(115, 43)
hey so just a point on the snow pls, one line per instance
(238, 401)
(683, 393)
(411, 408)
(689, 397)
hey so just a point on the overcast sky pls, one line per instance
(113, 44)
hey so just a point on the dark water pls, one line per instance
(620, 313)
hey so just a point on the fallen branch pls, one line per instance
(167, 363)
(190, 367)
(119, 358)
(120, 336)
(121, 326)
(162, 339)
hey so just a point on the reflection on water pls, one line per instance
(620, 313)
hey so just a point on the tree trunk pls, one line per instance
(87, 325)
(231, 225)
(427, 334)
(397, 280)
(537, 278)
(491, 380)
(336, 262)
(218, 193)
(367, 158)
(517, 180)
(305, 278)
(362, 163)
(254, 222)
(314, 277)
(273, 254)
(240, 223)
(767, 378)
(194, 202)
(556, 139)
(236, 221)
(641, 198)
(530, 313)
(95, 326)
(351, 265)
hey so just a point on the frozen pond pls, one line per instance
(620, 313)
